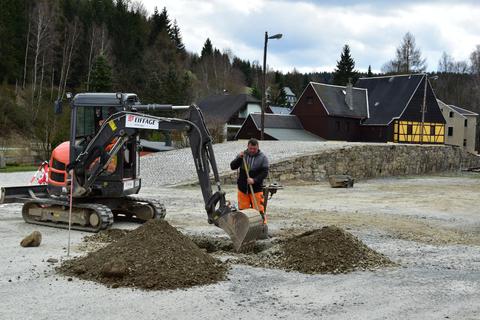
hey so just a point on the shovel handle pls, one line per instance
(250, 186)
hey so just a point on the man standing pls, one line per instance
(257, 166)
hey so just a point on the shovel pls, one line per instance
(245, 226)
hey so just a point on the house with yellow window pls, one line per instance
(397, 113)
(376, 109)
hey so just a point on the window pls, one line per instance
(85, 121)
(338, 125)
(432, 130)
(464, 142)
(309, 100)
(409, 129)
(466, 123)
(451, 114)
(450, 131)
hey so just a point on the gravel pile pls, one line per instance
(329, 250)
(154, 256)
(176, 166)
(326, 250)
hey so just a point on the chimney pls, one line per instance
(349, 94)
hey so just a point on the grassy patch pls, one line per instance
(18, 168)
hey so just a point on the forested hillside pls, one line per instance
(49, 47)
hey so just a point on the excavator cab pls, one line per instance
(89, 111)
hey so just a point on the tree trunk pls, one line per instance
(51, 82)
(26, 55)
(74, 39)
(90, 59)
(64, 55)
(37, 52)
(40, 89)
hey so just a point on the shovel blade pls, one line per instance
(244, 227)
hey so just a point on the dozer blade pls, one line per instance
(244, 227)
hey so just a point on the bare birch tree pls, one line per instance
(408, 58)
(42, 18)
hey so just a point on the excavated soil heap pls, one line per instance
(154, 256)
(329, 250)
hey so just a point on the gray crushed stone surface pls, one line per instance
(177, 166)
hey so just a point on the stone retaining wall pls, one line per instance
(370, 161)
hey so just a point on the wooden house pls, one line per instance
(332, 112)
(395, 110)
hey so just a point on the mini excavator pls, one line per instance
(99, 169)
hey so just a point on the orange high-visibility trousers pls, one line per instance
(245, 201)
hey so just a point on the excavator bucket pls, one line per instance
(244, 227)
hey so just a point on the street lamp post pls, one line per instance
(424, 106)
(264, 80)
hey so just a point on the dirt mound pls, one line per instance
(329, 250)
(154, 256)
(326, 250)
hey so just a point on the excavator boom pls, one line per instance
(243, 227)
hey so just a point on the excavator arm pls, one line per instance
(244, 227)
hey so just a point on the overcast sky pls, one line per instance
(314, 32)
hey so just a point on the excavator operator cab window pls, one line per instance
(85, 121)
(90, 119)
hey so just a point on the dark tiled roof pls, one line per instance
(388, 96)
(223, 107)
(292, 134)
(278, 121)
(463, 112)
(283, 127)
(333, 98)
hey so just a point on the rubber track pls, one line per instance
(159, 208)
(104, 212)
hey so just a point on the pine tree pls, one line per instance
(165, 21)
(13, 22)
(101, 79)
(160, 24)
(177, 39)
(207, 49)
(369, 73)
(345, 68)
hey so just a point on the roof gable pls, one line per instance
(288, 91)
(333, 99)
(223, 107)
(463, 112)
(388, 96)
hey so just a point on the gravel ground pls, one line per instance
(180, 168)
(406, 219)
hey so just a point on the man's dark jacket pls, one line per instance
(258, 170)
